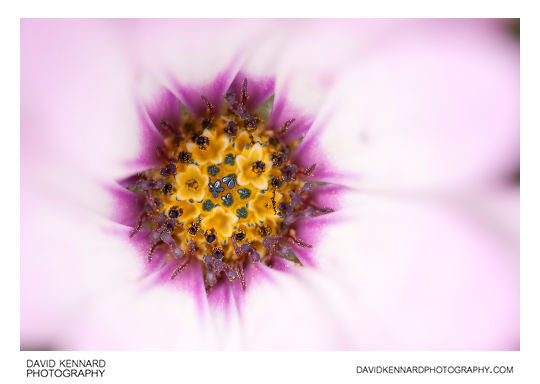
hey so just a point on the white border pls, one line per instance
(269, 366)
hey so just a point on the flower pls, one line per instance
(417, 118)
(191, 183)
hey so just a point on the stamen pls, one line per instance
(289, 173)
(210, 237)
(240, 271)
(251, 123)
(218, 253)
(297, 241)
(167, 189)
(151, 250)
(276, 182)
(202, 142)
(279, 159)
(244, 96)
(231, 129)
(209, 107)
(258, 167)
(174, 212)
(184, 157)
(285, 126)
(137, 228)
(180, 268)
(309, 171)
(150, 200)
(158, 184)
(239, 236)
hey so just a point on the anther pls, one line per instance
(279, 159)
(218, 253)
(297, 241)
(167, 188)
(202, 142)
(193, 229)
(290, 173)
(231, 128)
(240, 271)
(322, 210)
(306, 187)
(264, 230)
(171, 168)
(209, 107)
(251, 123)
(180, 268)
(244, 96)
(207, 260)
(210, 237)
(168, 239)
(231, 273)
(219, 265)
(158, 184)
(239, 236)
(258, 167)
(184, 157)
(210, 278)
(142, 185)
(249, 251)
(170, 224)
(174, 212)
(285, 126)
(150, 200)
(309, 171)
(139, 224)
(276, 182)
(151, 250)
(284, 208)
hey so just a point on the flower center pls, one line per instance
(226, 195)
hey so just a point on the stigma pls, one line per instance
(226, 193)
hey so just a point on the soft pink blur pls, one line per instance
(420, 118)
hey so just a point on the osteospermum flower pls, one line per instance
(282, 184)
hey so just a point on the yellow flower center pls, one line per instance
(225, 186)
(226, 195)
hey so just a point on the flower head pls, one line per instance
(238, 178)
(412, 125)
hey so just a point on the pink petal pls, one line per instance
(192, 57)
(426, 274)
(77, 108)
(433, 106)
